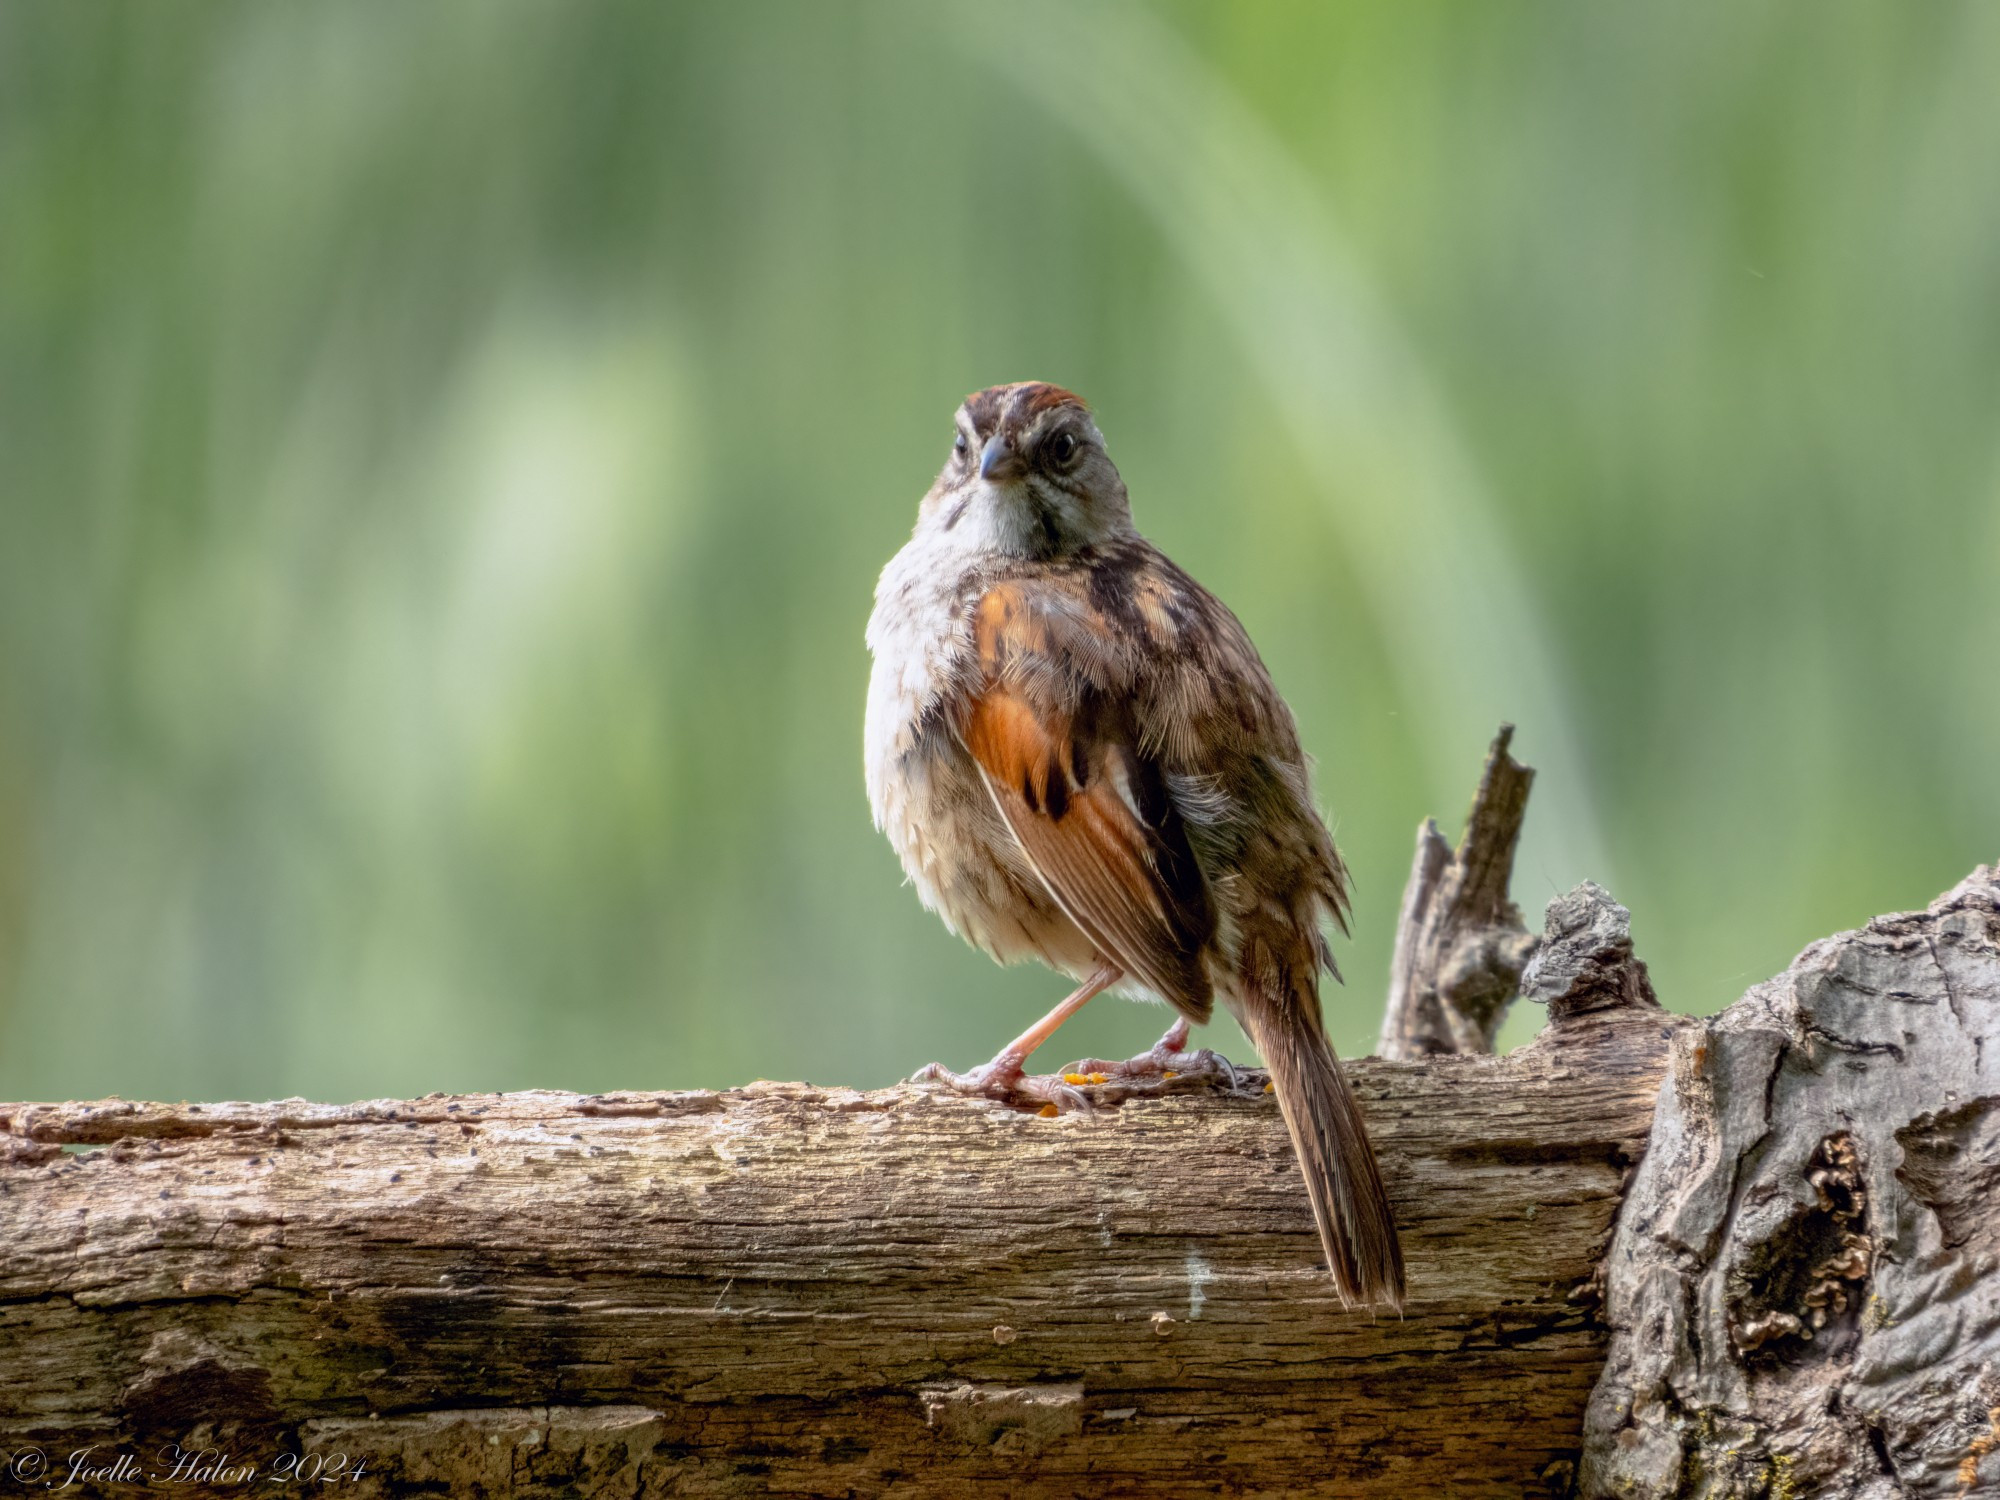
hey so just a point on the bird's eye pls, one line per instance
(1060, 449)
(958, 445)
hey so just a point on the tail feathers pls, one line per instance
(1331, 1139)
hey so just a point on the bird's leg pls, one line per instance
(1168, 1059)
(1007, 1077)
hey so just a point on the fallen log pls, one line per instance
(787, 1289)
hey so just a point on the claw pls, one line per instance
(1005, 1080)
(1169, 1058)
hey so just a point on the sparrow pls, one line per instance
(1080, 758)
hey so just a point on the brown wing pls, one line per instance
(1059, 751)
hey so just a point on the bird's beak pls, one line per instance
(998, 462)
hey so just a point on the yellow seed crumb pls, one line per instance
(1169, 1073)
(1100, 1077)
(1049, 1111)
(1082, 1078)
(1270, 1088)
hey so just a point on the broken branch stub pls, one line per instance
(1460, 941)
(1585, 961)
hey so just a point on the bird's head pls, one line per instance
(1029, 473)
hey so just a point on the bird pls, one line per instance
(1080, 758)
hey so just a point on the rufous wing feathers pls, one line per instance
(1063, 786)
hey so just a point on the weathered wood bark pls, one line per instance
(1460, 942)
(1805, 1283)
(784, 1289)
(1585, 961)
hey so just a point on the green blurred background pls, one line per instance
(446, 451)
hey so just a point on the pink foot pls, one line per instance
(1007, 1080)
(1169, 1058)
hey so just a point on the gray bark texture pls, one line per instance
(1804, 1288)
(1460, 943)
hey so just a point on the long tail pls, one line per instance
(1280, 1010)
